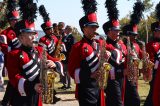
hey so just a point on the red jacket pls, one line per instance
(152, 48)
(50, 42)
(24, 69)
(83, 61)
(10, 40)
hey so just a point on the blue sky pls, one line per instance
(70, 11)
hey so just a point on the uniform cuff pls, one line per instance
(21, 87)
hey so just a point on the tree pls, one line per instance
(76, 34)
(3, 21)
(144, 26)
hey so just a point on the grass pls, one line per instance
(143, 90)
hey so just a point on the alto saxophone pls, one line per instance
(132, 63)
(147, 65)
(102, 73)
(47, 79)
(57, 52)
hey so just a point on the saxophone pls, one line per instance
(102, 73)
(47, 79)
(57, 52)
(147, 65)
(132, 63)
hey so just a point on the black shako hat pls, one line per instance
(156, 25)
(47, 22)
(90, 18)
(132, 27)
(113, 23)
(28, 11)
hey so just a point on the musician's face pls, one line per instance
(89, 31)
(27, 39)
(113, 34)
(132, 38)
(49, 31)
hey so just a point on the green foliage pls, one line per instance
(76, 34)
(148, 5)
(3, 19)
(124, 21)
(144, 26)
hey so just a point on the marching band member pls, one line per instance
(134, 53)
(49, 40)
(83, 59)
(9, 41)
(152, 48)
(24, 62)
(114, 90)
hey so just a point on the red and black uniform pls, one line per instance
(10, 40)
(83, 61)
(50, 41)
(152, 49)
(115, 82)
(132, 97)
(23, 71)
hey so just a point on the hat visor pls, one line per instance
(47, 28)
(28, 31)
(92, 24)
(116, 29)
(132, 33)
(157, 29)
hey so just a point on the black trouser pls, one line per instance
(66, 78)
(114, 92)
(88, 94)
(149, 101)
(8, 94)
(31, 100)
(131, 94)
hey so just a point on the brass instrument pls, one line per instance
(147, 65)
(47, 79)
(57, 52)
(132, 63)
(105, 67)
(103, 72)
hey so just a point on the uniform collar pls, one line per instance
(48, 36)
(90, 41)
(109, 40)
(27, 49)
